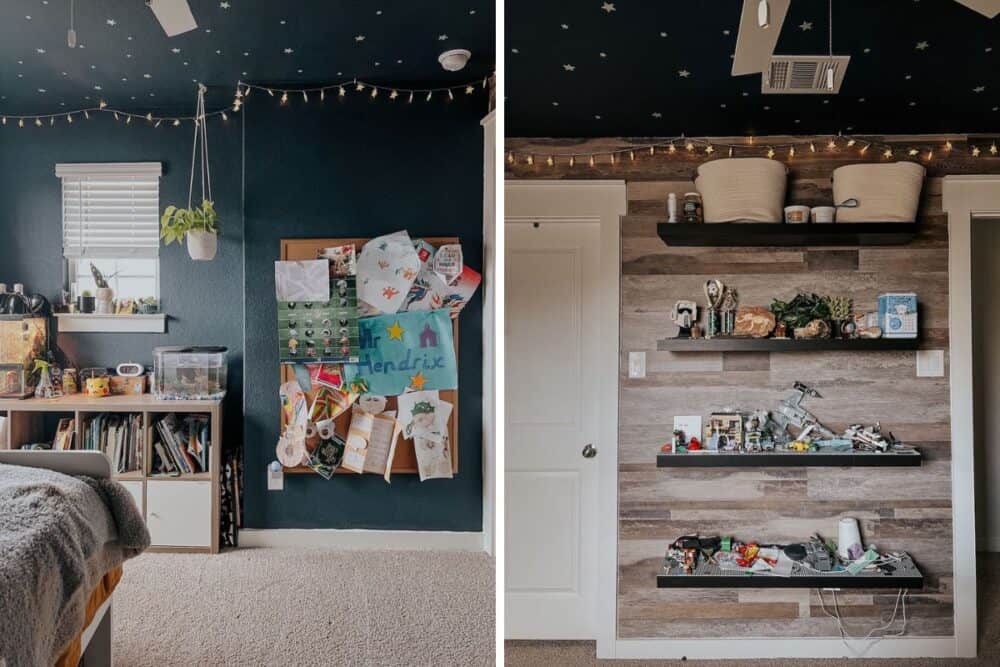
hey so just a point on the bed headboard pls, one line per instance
(91, 464)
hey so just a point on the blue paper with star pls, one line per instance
(401, 351)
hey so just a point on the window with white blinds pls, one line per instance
(110, 210)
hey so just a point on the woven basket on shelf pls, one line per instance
(742, 189)
(885, 192)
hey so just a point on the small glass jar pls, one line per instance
(691, 210)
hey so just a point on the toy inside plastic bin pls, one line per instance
(185, 373)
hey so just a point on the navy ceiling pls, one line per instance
(124, 57)
(644, 68)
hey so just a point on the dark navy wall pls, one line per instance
(357, 169)
(204, 300)
(353, 170)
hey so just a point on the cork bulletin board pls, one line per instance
(405, 459)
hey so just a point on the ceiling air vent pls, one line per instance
(804, 74)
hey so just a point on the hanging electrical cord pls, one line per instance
(870, 637)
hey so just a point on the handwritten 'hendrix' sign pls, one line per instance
(407, 350)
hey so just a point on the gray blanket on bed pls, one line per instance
(59, 535)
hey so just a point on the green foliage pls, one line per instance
(801, 310)
(840, 307)
(86, 293)
(175, 222)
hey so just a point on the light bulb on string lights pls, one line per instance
(670, 149)
(831, 145)
(887, 153)
(102, 104)
(340, 91)
(791, 152)
(993, 149)
(393, 95)
(709, 149)
(689, 146)
(851, 142)
(410, 100)
(38, 122)
(770, 153)
(52, 121)
(812, 147)
(374, 92)
(549, 161)
(730, 151)
(631, 156)
(975, 151)
(947, 146)
(450, 96)
(612, 159)
(530, 160)
(284, 97)
(930, 154)
(510, 157)
(572, 161)
(358, 87)
(177, 122)
(322, 94)
(305, 96)
(20, 122)
(864, 149)
(69, 119)
(430, 93)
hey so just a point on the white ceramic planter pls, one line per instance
(105, 301)
(202, 245)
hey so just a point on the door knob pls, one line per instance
(589, 452)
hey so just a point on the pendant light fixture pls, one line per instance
(71, 33)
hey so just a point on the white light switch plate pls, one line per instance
(930, 363)
(275, 480)
(637, 364)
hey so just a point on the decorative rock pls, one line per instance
(815, 329)
(754, 321)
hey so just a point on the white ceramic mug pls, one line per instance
(823, 213)
(796, 214)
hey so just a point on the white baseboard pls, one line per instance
(745, 649)
(402, 540)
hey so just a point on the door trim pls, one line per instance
(964, 198)
(602, 201)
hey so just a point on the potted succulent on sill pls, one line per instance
(105, 295)
(199, 225)
(148, 306)
(86, 302)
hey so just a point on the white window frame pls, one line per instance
(77, 257)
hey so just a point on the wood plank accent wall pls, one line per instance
(899, 509)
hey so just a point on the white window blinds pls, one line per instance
(110, 210)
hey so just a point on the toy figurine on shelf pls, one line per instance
(679, 442)
(729, 304)
(684, 315)
(693, 444)
(713, 295)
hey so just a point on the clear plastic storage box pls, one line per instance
(189, 372)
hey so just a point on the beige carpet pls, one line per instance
(306, 607)
(581, 654)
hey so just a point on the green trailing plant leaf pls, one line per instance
(801, 310)
(176, 223)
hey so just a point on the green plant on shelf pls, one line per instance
(801, 310)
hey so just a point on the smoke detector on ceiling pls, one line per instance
(455, 59)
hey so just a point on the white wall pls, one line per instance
(986, 379)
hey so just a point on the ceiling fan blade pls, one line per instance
(755, 44)
(174, 15)
(988, 8)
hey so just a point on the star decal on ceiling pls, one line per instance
(609, 7)
(806, 25)
(359, 38)
(656, 114)
(112, 22)
(979, 89)
(663, 34)
(224, 4)
(603, 54)
(683, 73)
(289, 50)
(442, 38)
(569, 68)
(147, 76)
(922, 45)
(564, 26)
(40, 51)
(726, 32)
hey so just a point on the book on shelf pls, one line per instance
(120, 436)
(64, 434)
(181, 445)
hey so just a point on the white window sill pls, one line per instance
(100, 323)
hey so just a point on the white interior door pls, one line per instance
(551, 407)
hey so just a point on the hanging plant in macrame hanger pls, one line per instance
(198, 225)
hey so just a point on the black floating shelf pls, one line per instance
(788, 460)
(707, 575)
(731, 234)
(719, 344)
